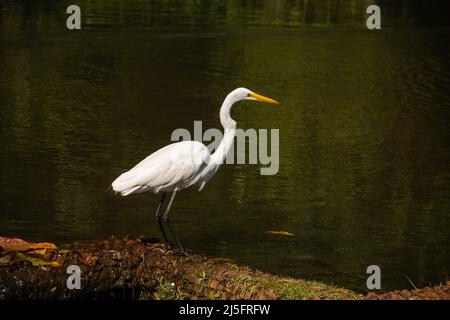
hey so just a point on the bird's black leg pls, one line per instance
(158, 219)
(167, 221)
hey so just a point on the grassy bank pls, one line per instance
(136, 269)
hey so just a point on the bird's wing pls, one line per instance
(174, 166)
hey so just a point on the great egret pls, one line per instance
(183, 164)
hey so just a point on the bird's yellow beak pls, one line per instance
(262, 98)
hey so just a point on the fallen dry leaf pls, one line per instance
(19, 245)
(214, 284)
(14, 244)
(88, 259)
(44, 245)
(281, 233)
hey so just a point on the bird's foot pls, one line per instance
(179, 251)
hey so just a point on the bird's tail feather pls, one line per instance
(130, 191)
(110, 190)
(127, 183)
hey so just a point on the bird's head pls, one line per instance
(239, 94)
(245, 94)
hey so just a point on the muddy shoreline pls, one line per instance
(139, 269)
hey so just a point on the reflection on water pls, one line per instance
(364, 134)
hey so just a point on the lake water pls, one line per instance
(364, 133)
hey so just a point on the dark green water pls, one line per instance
(364, 131)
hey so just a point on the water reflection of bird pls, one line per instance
(183, 164)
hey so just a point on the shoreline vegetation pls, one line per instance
(138, 269)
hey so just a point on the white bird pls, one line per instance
(183, 164)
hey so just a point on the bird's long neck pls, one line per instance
(229, 126)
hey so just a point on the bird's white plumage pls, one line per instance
(182, 164)
(176, 166)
